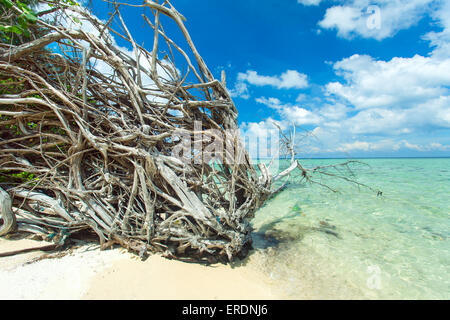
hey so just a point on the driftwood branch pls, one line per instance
(120, 144)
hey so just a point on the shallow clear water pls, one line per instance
(354, 244)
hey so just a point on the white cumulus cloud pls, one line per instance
(309, 2)
(378, 19)
(291, 113)
(396, 96)
(290, 79)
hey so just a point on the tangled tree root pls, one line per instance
(81, 149)
(89, 135)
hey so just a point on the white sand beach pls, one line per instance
(88, 273)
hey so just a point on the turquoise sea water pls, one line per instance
(317, 244)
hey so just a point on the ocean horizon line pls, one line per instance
(356, 158)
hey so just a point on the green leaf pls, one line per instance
(30, 17)
(23, 22)
(17, 30)
(26, 33)
(14, 29)
(7, 3)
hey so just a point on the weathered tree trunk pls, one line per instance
(9, 219)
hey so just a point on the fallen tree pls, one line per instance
(89, 130)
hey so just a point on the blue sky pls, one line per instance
(367, 78)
